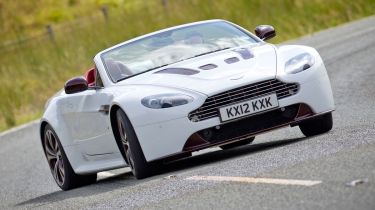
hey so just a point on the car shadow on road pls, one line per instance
(220, 155)
(126, 179)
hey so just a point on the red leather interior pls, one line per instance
(90, 77)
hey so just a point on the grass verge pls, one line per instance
(33, 71)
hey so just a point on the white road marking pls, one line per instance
(105, 174)
(307, 183)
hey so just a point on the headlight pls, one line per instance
(166, 100)
(299, 63)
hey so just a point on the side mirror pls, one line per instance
(75, 85)
(265, 32)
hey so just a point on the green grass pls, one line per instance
(34, 71)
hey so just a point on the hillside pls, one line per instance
(36, 62)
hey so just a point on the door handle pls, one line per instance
(104, 109)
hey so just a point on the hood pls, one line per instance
(216, 72)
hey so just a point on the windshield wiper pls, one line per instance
(142, 72)
(155, 68)
(209, 52)
(205, 53)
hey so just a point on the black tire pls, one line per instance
(238, 143)
(317, 125)
(131, 149)
(64, 176)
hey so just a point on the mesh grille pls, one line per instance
(210, 107)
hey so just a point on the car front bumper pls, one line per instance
(181, 136)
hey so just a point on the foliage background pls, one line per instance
(34, 64)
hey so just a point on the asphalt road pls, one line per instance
(345, 154)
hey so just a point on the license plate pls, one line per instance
(249, 107)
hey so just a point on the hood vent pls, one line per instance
(245, 53)
(181, 71)
(208, 66)
(231, 60)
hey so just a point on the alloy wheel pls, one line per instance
(124, 140)
(54, 157)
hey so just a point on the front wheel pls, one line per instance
(59, 164)
(131, 149)
(317, 125)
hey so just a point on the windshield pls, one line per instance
(172, 46)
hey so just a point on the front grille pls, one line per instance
(250, 125)
(210, 107)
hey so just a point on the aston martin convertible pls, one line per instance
(162, 96)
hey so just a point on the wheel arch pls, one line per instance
(112, 112)
(43, 125)
(112, 116)
(115, 132)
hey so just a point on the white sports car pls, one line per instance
(164, 95)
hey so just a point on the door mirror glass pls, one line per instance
(265, 32)
(75, 85)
